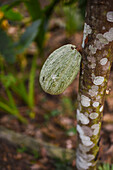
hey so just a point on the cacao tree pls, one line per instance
(94, 73)
(96, 62)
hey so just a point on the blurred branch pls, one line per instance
(36, 144)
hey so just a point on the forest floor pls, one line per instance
(55, 121)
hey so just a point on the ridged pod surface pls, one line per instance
(60, 69)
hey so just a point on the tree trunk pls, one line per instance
(95, 68)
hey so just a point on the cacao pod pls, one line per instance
(60, 69)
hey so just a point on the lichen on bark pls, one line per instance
(95, 69)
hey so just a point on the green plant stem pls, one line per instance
(15, 112)
(32, 83)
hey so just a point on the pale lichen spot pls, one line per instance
(98, 80)
(81, 117)
(101, 108)
(109, 35)
(92, 75)
(98, 97)
(85, 156)
(91, 59)
(85, 101)
(93, 91)
(95, 104)
(103, 61)
(90, 157)
(84, 130)
(101, 92)
(93, 115)
(92, 66)
(101, 40)
(92, 49)
(87, 130)
(87, 30)
(107, 66)
(110, 16)
(86, 140)
(95, 128)
(103, 28)
(81, 163)
(95, 88)
(78, 112)
(84, 148)
(79, 129)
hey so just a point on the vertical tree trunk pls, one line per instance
(95, 68)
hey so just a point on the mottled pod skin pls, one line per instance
(60, 69)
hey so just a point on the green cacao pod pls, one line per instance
(60, 69)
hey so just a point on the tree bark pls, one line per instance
(95, 69)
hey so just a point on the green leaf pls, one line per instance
(7, 108)
(11, 100)
(47, 12)
(10, 14)
(34, 9)
(20, 89)
(27, 37)
(12, 111)
(41, 34)
(6, 47)
(15, 3)
(111, 167)
(7, 80)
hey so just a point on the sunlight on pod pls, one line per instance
(60, 69)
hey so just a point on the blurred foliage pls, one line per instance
(10, 14)
(38, 26)
(105, 166)
(62, 165)
(17, 85)
(36, 31)
(6, 47)
(7, 101)
(24, 149)
(53, 113)
(69, 2)
(31, 20)
(82, 6)
(67, 106)
(71, 132)
(27, 37)
(73, 19)
(13, 82)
